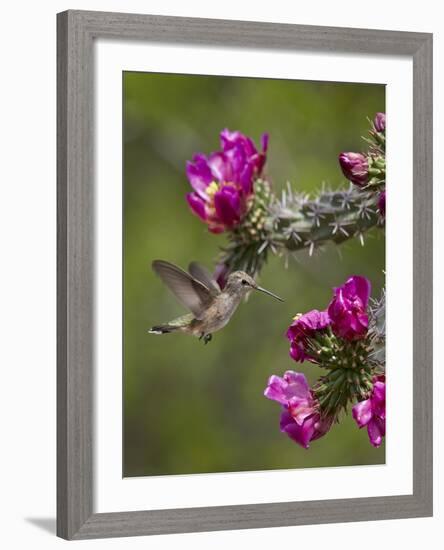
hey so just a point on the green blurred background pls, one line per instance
(190, 408)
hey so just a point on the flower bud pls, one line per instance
(354, 167)
(379, 122)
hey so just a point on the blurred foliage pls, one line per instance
(190, 408)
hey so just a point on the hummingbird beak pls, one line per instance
(268, 292)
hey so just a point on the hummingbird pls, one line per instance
(211, 308)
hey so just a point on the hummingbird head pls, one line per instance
(240, 283)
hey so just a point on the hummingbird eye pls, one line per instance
(244, 282)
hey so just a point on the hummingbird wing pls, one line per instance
(193, 294)
(201, 273)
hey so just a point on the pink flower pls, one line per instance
(371, 412)
(303, 327)
(300, 417)
(354, 167)
(348, 309)
(223, 182)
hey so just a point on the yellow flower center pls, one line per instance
(212, 189)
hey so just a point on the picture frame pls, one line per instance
(76, 33)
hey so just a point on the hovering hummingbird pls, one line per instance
(211, 308)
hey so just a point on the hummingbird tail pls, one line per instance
(178, 324)
(162, 329)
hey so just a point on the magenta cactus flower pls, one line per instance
(223, 182)
(371, 412)
(303, 327)
(379, 122)
(381, 203)
(355, 168)
(300, 417)
(348, 309)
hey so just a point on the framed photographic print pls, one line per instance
(244, 320)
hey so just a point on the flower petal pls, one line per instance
(300, 434)
(229, 139)
(285, 419)
(300, 409)
(358, 286)
(308, 322)
(228, 205)
(379, 391)
(322, 426)
(220, 167)
(237, 158)
(362, 412)
(297, 384)
(291, 385)
(314, 320)
(199, 174)
(197, 205)
(378, 399)
(375, 432)
(245, 179)
(264, 142)
(276, 389)
(297, 352)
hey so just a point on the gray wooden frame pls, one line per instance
(76, 32)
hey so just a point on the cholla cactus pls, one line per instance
(377, 331)
(346, 340)
(231, 194)
(295, 221)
